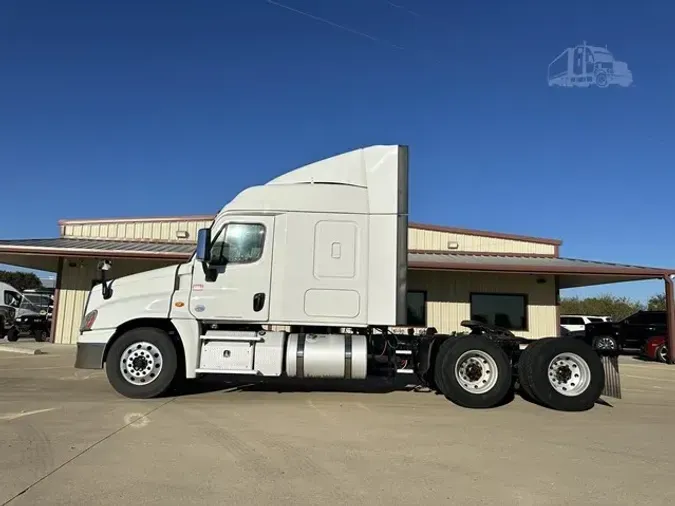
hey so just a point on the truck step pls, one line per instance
(221, 335)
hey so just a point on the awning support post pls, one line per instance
(55, 304)
(670, 318)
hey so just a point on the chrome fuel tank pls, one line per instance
(327, 356)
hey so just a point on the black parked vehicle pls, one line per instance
(630, 333)
(32, 325)
(6, 320)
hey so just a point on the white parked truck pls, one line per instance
(320, 251)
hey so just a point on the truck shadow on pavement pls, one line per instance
(523, 395)
(291, 385)
(227, 385)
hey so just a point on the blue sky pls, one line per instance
(134, 108)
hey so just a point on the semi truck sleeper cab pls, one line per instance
(321, 252)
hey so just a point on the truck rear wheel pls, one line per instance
(476, 373)
(565, 374)
(142, 363)
(443, 350)
(523, 364)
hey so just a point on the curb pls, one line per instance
(22, 351)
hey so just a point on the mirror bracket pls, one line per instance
(106, 288)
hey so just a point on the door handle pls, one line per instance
(258, 301)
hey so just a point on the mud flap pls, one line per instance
(612, 380)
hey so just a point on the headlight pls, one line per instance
(88, 321)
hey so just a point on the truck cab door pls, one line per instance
(235, 285)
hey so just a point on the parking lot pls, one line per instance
(67, 438)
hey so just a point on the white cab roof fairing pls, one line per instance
(370, 180)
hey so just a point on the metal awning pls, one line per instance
(70, 246)
(43, 254)
(571, 272)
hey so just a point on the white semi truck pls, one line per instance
(321, 252)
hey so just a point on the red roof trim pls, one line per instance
(93, 253)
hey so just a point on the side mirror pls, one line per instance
(104, 266)
(204, 245)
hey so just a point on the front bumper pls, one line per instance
(91, 347)
(31, 326)
(89, 356)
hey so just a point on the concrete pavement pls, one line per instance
(67, 438)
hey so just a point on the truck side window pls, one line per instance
(238, 243)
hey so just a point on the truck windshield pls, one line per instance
(27, 304)
(41, 301)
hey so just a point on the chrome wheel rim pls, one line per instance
(141, 363)
(476, 372)
(605, 343)
(569, 374)
(663, 354)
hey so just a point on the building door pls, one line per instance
(236, 284)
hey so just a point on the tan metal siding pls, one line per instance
(438, 241)
(135, 230)
(448, 298)
(76, 279)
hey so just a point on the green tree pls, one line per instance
(657, 302)
(21, 280)
(602, 305)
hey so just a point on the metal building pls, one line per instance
(455, 274)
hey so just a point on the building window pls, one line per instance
(239, 243)
(503, 310)
(417, 308)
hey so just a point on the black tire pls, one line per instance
(606, 345)
(148, 386)
(661, 354)
(523, 364)
(457, 393)
(438, 363)
(13, 334)
(537, 371)
(40, 336)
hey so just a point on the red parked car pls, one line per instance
(656, 349)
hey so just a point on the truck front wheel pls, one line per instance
(476, 373)
(142, 363)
